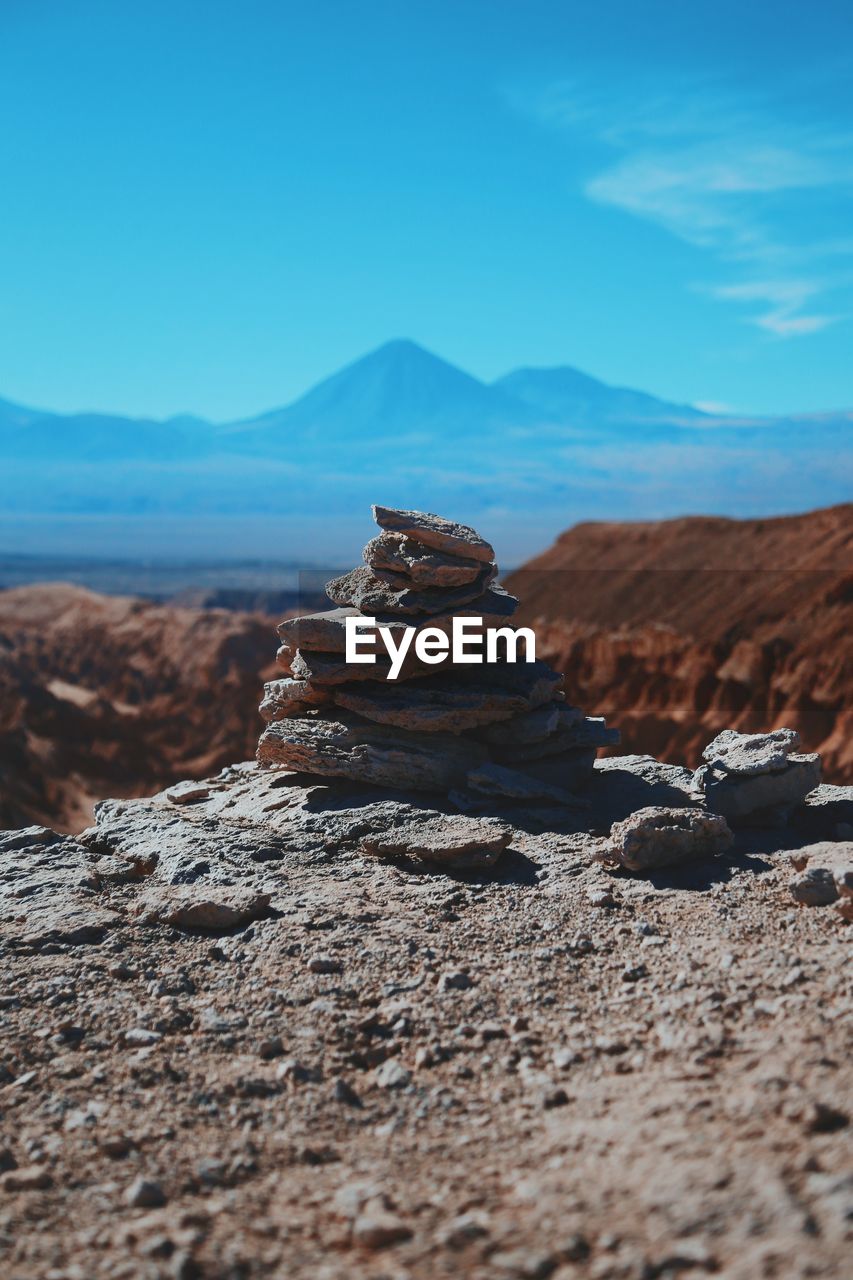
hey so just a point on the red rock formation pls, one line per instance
(677, 629)
(109, 695)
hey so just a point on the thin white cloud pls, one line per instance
(784, 301)
(726, 175)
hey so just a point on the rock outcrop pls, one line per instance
(114, 696)
(680, 628)
(500, 729)
(824, 875)
(756, 778)
(659, 837)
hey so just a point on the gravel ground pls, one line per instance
(542, 1069)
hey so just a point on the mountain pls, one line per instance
(566, 395)
(100, 438)
(399, 393)
(534, 451)
(15, 416)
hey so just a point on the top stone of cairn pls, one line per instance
(434, 531)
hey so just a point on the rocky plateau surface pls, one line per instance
(275, 1025)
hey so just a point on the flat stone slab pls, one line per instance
(459, 842)
(290, 697)
(423, 566)
(628, 783)
(448, 704)
(48, 889)
(590, 733)
(327, 631)
(492, 779)
(747, 754)
(346, 746)
(201, 907)
(531, 726)
(662, 837)
(362, 589)
(325, 670)
(37, 862)
(434, 531)
(571, 770)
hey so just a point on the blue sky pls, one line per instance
(209, 206)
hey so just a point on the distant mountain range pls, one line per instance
(538, 448)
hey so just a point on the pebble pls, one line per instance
(455, 980)
(32, 1178)
(391, 1075)
(378, 1228)
(325, 964)
(145, 1194)
(601, 898)
(556, 1097)
(137, 1036)
(814, 888)
(344, 1092)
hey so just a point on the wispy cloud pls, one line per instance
(729, 175)
(784, 300)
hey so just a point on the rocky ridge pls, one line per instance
(678, 629)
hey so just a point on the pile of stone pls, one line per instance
(501, 729)
(756, 779)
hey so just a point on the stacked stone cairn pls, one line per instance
(497, 732)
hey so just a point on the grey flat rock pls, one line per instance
(434, 531)
(345, 746)
(824, 811)
(166, 843)
(290, 697)
(572, 770)
(362, 589)
(37, 862)
(201, 907)
(48, 890)
(833, 856)
(531, 726)
(747, 754)
(327, 631)
(661, 837)
(423, 566)
(451, 841)
(591, 732)
(497, 780)
(624, 784)
(814, 887)
(448, 704)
